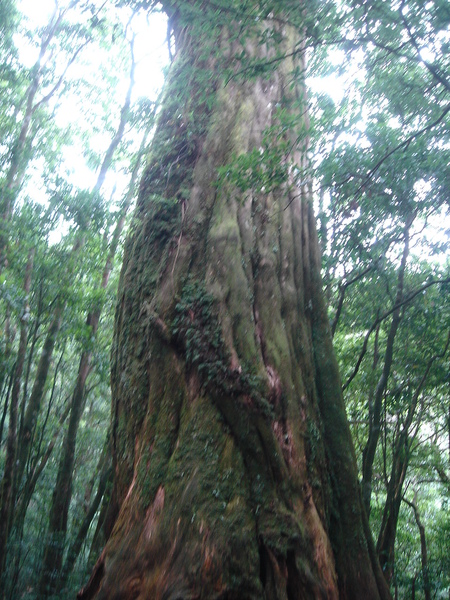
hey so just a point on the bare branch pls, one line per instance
(57, 85)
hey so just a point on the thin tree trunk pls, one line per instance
(7, 483)
(343, 286)
(124, 116)
(423, 548)
(34, 403)
(6, 404)
(448, 431)
(375, 417)
(75, 547)
(400, 461)
(388, 529)
(6, 366)
(5, 371)
(17, 162)
(26, 494)
(28, 488)
(234, 473)
(30, 362)
(37, 393)
(53, 556)
(99, 537)
(62, 494)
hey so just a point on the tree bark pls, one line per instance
(234, 472)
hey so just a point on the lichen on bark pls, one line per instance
(234, 471)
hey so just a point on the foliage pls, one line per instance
(381, 155)
(263, 169)
(74, 231)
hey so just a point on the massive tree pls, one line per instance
(234, 471)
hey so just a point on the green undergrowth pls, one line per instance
(261, 170)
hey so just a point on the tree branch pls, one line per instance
(429, 66)
(403, 144)
(342, 290)
(382, 318)
(57, 85)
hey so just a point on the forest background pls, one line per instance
(79, 98)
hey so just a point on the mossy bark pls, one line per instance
(235, 475)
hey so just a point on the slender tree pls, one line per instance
(423, 547)
(7, 482)
(375, 405)
(46, 417)
(235, 475)
(62, 494)
(400, 461)
(390, 168)
(54, 575)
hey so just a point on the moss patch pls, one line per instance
(196, 326)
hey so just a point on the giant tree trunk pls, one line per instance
(235, 475)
